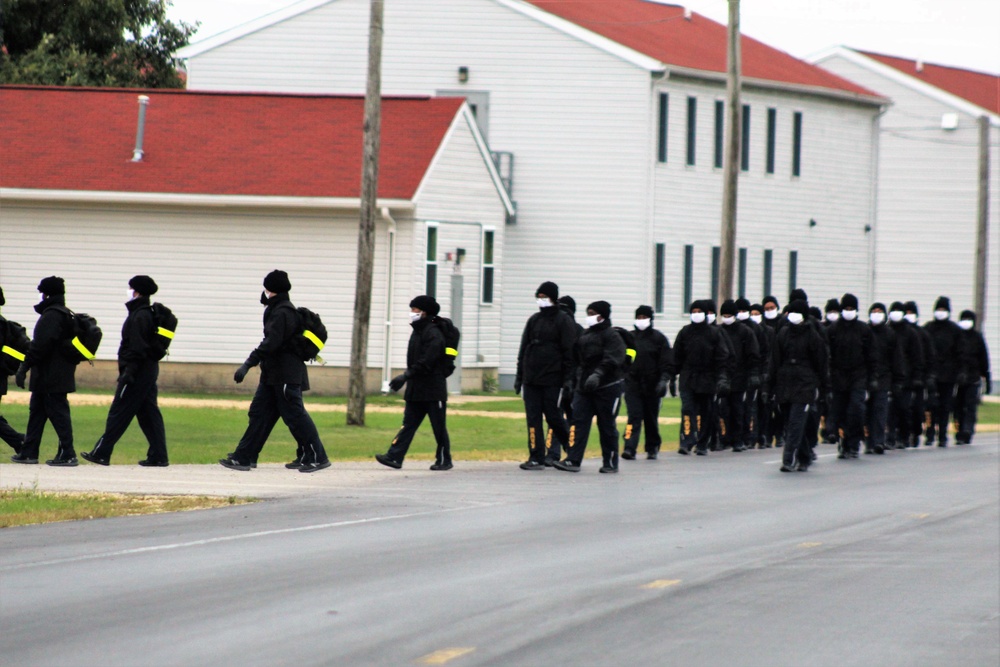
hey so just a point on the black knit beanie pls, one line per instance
(277, 281)
(52, 286)
(742, 304)
(849, 302)
(426, 304)
(728, 307)
(144, 285)
(549, 289)
(644, 310)
(569, 302)
(798, 294)
(832, 305)
(602, 308)
(943, 303)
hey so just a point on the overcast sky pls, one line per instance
(960, 33)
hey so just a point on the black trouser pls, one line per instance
(54, 408)
(602, 403)
(643, 408)
(136, 400)
(966, 407)
(917, 416)
(797, 448)
(696, 418)
(762, 431)
(940, 412)
(413, 416)
(878, 414)
(776, 423)
(10, 435)
(750, 403)
(827, 422)
(541, 400)
(270, 402)
(900, 418)
(812, 426)
(730, 413)
(848, 411)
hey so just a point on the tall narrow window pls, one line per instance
(772, 129)
(793, 270)
(430, 287)
(661, 151)
(661, 265)
(745, 140)
(742, 282)
(692, 126)
(797, 144)
(720, 127)
(716, 257)
(688, 277)
(768, 264)
(488, 265)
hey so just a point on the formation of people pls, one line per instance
(748, 375)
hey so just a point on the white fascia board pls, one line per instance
(903, 79)
(464, 115)
(632, 56)
(252, 26)
(197, 201)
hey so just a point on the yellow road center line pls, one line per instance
(445, 655)
(920, 516)
(662, 583)
(810, 545)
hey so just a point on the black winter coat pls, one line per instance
(599, 350)
(746, 356)
(888, 366)
(927, 347)
(909, 343)
(135, 353)
(546, 354)
(53, 370)
(850, 343)
(799, 367)
(278, 364)
(765, 341)
(3, 376)
(652, 360)
(425, 379)
(974, 357)
(702, 359)
(944, 338)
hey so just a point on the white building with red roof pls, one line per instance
(229, 186)
(928, 191)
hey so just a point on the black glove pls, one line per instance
(989, 384)
(396, 383)
(673, 386)
(592, 382)
(517, 386)
(661, 388)
(19, 377)
(241, 373)
(127, 378)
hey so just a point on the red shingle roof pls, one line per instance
(661, 32)
(213, 143)
(980, 88)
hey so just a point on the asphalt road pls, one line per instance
(693, 561)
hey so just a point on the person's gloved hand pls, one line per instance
(126, 378)
(592, 382)
(673, 386)
(517, 386)
(396, 383)
(241, 373)
(989, 383)
(661, 388)
(20, 376)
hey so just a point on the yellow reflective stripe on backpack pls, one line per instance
(12, 352)
(630, 352)
(81, 348)
(451, 352)
(313, 338)
(166, 333)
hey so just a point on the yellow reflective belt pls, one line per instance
(313, 338)
(12, 352)
(87, 354)
(451, 352)
(631, 353)
(166, 333)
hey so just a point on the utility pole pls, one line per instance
(983, 226)
(357, 385)
(731, 164)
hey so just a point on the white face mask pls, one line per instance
(415, 317)
(129, 294)
(759, 319)
(771, 314)
(832, 316)
(849, 315)
(941, 314)
(895, 316)
(697, 318)
(642, 325)
(795, 318)
(544, 303)
(710, 317)
(911, 318)
(876, 318)
(966, 324)
(743, 316)
(592, 320)
(728, 319)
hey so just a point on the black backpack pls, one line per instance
(14, 344)
(166, 325)
(84, 337)
(451, 338)
(306, 344)
(629, 341)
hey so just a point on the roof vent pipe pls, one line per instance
(920, 65)
(687, 13)
(141, 130)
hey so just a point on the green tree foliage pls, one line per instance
(123, 43)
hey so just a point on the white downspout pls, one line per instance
(873, 212)
(390, 280)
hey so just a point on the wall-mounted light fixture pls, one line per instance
(463, 74)
(868, 228)
(812, 222)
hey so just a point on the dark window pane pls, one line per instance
(716, 257)
(720, 125)
(432, 244)
(742, 287)
(797, 144)
(662, 143)
(688, 277)
(768, 262)
(691, 127)
(488, 284)
(431, 287)
(661, 260)
(487, 247)
(745, 140)
(793, 269)
(772, 128)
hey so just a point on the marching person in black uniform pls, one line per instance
(973, 371)
(850, 343)
(799, 374)
(544, 373)
(702, 362)
(745, 378)
(944, 339)
(600, 358)
(751, 419)
(775, 421)
(828, 425)
(426, 388)
(7, 432)
(904, 396)
(283, 378)
(887, 375)
(762, 409)
(646, 383)
(928, 383)
(53, 376)
(568, 306)
(138, 370)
